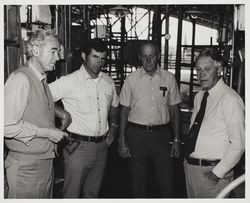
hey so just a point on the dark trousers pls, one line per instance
(154, 145)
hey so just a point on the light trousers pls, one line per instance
(29, 179)
(199, 186)
(84, 170)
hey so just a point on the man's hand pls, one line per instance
(64, 116)
(211, 176)
(53, 134)
(175, 150)
(65, 120)
(123, 150)
(111, 135)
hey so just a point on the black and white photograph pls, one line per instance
(110, 100)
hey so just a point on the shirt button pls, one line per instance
(99, 121)
(97, 97)
(98, 109)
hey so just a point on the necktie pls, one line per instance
(194, 130)
(45, 86)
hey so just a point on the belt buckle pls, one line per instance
(148, 128)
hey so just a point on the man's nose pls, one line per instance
(202, 73)
(148, 60)
(57, 57)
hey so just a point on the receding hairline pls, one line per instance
(149, 44)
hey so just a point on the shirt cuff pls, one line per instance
(220, 170)
(32, 133)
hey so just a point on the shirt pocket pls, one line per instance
(162, 97)
(83, 103)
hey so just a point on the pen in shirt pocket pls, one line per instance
(163, 89)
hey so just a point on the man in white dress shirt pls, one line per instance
(89, 95)
(221, 138)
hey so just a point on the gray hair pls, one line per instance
(37, 38)
(213, 53)
(150, 43)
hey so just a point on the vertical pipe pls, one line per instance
(192, 63)
(69, 56)
(87, 19)
(56, 20)
(123, 32)
(149, 20)
(178, 49)
(156, 28)
(166, 40)
(66, 38)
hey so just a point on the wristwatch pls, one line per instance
(177, 140)
(114, 125)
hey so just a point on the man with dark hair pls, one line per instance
(216, 139)
(89, 95)
(29, 121)
(149, 99)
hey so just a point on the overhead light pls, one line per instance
(119, 11)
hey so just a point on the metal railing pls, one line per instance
(231, 186)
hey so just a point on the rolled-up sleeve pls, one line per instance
(16, 93)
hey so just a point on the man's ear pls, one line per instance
(83, 56)
(220, 67)
(35, 50)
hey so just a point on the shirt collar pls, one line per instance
(86, 75)
(40, 76)
(214, 90)
(157, 72)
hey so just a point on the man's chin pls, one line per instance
(50, 68)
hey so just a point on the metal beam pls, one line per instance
(178, 49)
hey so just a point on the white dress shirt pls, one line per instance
(87, 100)
(222, 132)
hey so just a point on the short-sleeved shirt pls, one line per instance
(87, 100)
(149, 97)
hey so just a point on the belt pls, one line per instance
(149, 128)
(96, 139)
(202, 162)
